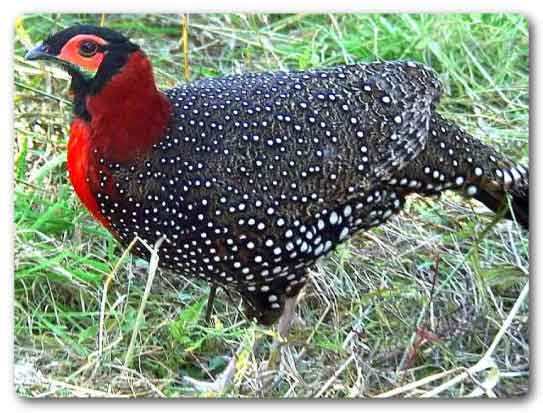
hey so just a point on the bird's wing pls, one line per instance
(317, 137)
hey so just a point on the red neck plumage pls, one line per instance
(127, 116)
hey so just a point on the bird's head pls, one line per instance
(90, 54)
(110, 76)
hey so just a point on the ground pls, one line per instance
(419, 300)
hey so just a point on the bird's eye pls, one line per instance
(88, 48)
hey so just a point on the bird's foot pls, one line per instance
(298, 322)
(267, 374)
(219, 385)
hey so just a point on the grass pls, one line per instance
(418, 300)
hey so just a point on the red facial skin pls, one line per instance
(70, 52)
(128, 115)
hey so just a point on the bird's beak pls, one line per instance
(41, 52)
(38, 53)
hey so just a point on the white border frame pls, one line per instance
(11, 402)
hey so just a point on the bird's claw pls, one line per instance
(219, 385)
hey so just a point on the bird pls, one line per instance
(250, 178)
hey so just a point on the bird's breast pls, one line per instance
(81, 169)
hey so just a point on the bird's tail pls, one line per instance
(452, 159)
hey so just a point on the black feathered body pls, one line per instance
(258, 175)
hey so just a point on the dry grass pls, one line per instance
(409, 309)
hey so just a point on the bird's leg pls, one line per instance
(283, 327)
(210, 300)
(223, 380)
(288, 316)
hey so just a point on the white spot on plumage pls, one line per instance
(522, 170)
(319, 249)
(471, 190)
(515, 174)
(320, 224)
(507, 180)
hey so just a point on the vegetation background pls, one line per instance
(433, 303)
